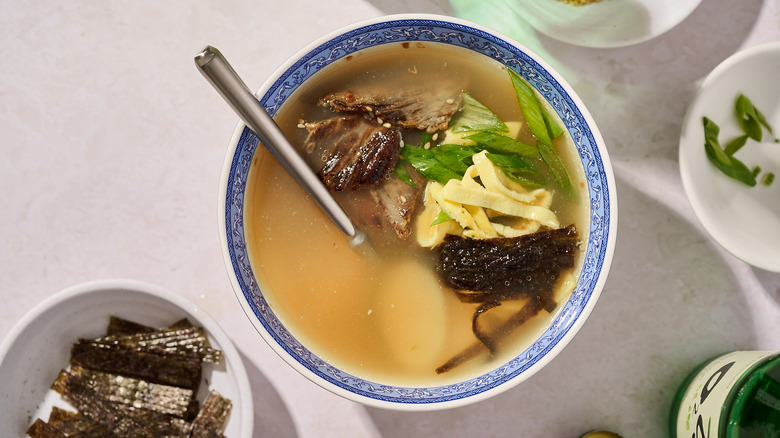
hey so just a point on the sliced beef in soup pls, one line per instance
(393, 203)
(352, 152)
(427, 109)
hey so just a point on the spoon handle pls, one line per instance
(226, 81)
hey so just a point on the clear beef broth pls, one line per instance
(385, 318)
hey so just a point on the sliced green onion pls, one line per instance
(553, 128)
(424, 161)
(474, 116)
(729, 165)
(441, 218)
(762, 120)
(403, 174)
(711, 132)
(768, 179)
(748, 119)
(734, 145)
(514, 161)
(752, 111)
(532, 109)
(426, 138)
(501, 144)
(455, 157)
(535, 116)
(556, 167)
(518, 169)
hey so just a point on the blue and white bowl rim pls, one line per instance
(587, 139)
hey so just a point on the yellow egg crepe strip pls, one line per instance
(483, 204)
(495, 180)
(483, 227)
(451, 137)
(455, 191)
(516, 230)
(454, 210)
(431, 235)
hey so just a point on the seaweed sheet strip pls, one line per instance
(192, 409)
(212, 418)
(168, 369)
(75, 424)
(486, 339)
(122, 420)
(527, 312)
(190, 340)
(42, 429)
(185, 341)
(180, 324)
(167, 399)
(524, 265)
(121, 326)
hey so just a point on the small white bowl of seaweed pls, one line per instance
(121, 358)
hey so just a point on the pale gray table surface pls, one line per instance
(112, 150)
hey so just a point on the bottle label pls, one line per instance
(701, 407)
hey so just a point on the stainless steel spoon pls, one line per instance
(226, 81)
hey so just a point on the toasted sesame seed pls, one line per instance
(387, 125)
(301, 125)
(402, 198)
(435, 136)
(427, 145)
(450, 101)
(379, 119)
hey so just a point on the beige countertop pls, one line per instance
(112, 149)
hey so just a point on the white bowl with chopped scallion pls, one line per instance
(730, 155)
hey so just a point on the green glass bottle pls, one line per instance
(735, 395)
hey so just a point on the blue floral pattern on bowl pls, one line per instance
(600, 242)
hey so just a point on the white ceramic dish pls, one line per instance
(38, 347)
(743, 220)
(608, 23)
(601, 191)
